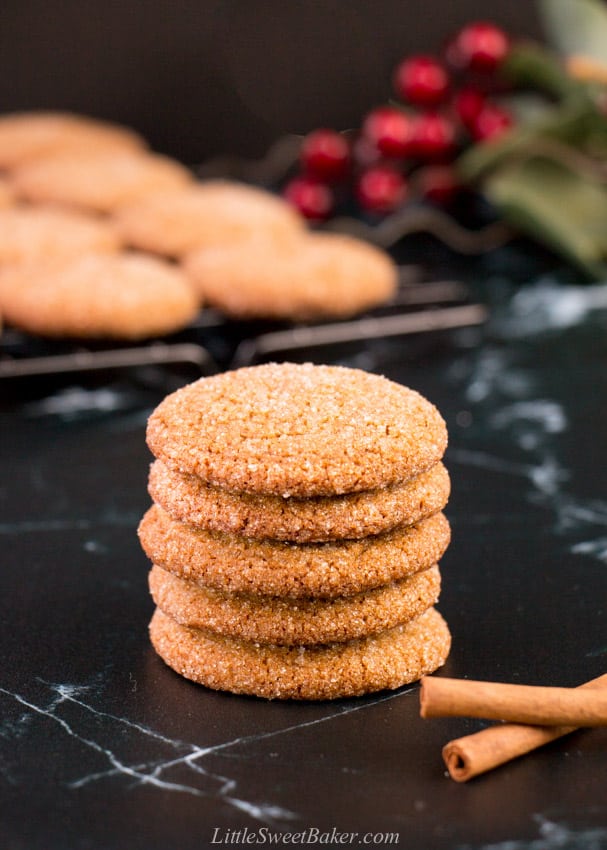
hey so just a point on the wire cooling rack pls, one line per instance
(214, 343)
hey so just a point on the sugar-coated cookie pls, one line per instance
(100, 181)
(40, 234)
(299, 520)
(122, 296)
(321, 275)
(26, 136)
(286, 622)
(325, 570)
(297, 430)
(388, 660)
(207, 214)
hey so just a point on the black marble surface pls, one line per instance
(102, 746)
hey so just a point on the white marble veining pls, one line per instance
(551, 836)
(547, 306)
(503, 395)
(155, 772)
(73, 401)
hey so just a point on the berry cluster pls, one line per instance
(404, 151)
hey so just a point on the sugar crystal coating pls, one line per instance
(286, 622)
(296, 531)
(297, 430)
(388, 660)
(335, 568)
(348, 516)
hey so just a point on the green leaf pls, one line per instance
(530, 65)
(552, 203)
(576, 27)
(576, 121)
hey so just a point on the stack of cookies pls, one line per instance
(296, 531)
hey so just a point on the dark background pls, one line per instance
(224, 76)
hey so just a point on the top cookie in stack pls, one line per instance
(296, 531)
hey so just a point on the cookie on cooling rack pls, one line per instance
(44, 234)
(204, 215)
(7, 196)
(116, 296)
(100, 181)
(321, 275)
(26, 136)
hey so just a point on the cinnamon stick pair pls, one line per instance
(553, 712)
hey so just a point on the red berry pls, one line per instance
(388, 129)
(381, 189)
(479, 46)
(467, 104)
(325, 154)
(438, 184)
(432, 136)
(421, 80)
(313, 199)
(490, 123)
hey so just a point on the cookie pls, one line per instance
(98, 182)
(323, 570)
(392, 658)
(322, 275)
(297, 430)
(7, 196)
(206, 214)
(286, 622)
(26, 136)
(120, 296)
(297, 520)
(37, 234)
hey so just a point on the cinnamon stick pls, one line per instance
(475, 754)
(545, 706)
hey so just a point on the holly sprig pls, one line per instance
(522, 124)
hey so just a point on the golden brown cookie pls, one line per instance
(388, 660)
(298, 520)
(120, 296)
(324, 570)
(100, 181)
(321, 275)
(39, 234)
(7, 196)
(297, 430)
(286, 622)
(207, 214)
(26, 136)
